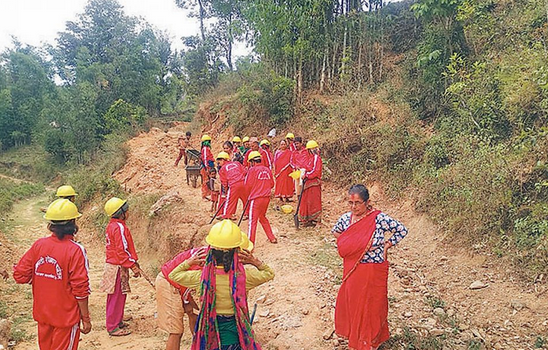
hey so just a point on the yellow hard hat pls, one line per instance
(113, 204)
(312, 144)
(253, 155)
(236, 139)
(245, 139)
(206, 138)
(295, 175)
(265, 142)
(286, 209)
(62, 210)
(246, 243)
(66, 191)
(289, 135)
(224, 235)
(223, 155)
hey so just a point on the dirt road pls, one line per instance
(431, 303)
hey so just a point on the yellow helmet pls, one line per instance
(66, 191)
(206, 138)
(253, 155)
(224, 235)
(286, 209)
(290, 136)
(295, 175)
(113, 204)
(265, 142)
(246, 243)
(236, 139)
(223, 155)
(312, 144)
(245, 139)
(62, 210)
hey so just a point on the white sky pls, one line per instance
(36, 21)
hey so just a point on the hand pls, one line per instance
(85, 327)
(198, 258)
(246, 257)
(136, 270)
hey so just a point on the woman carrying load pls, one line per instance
(223, 322)
(57, 268)
(361, 311)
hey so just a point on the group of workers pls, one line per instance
(225, 269)
(248, 170)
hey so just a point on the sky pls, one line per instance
(38, 21)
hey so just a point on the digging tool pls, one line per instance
(243, 213)
(216, 213)
(296, 216)
(147, 278)
(253, 314)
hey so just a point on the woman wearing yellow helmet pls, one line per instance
(310, 209)
(57, 268)
(207, 163)
(224, 321)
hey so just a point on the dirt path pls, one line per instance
(431, 304)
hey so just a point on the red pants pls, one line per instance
(52, 338)
(182, 153)
(257, 213)
(115, 306)
(235, 192)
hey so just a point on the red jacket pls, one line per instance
(292, 146)
(231, 173)
(176, 261)
(207, 157)
(259, 182)
(300, 159)
(266, 158)
(58, 272)
(120, 249)
(314, 168)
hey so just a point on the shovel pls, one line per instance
(296, 216)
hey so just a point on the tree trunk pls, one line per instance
(322, 75)
(229, 44)
(300, 79)
(202, 15)
(343, 61)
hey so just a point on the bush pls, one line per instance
(11, 191)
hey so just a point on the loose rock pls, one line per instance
(478, 285)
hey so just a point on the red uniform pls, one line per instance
(292, 146)
(176, 261)
(267, 157)
(207, 162)
(300, 159)
(311, 202)
(259, 183)
(120, 249)
(232, 176)
(58, 272)
(284, 184)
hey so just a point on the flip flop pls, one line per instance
(119, 332)
(123, 325)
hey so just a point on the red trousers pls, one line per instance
(257, 213)
(182, 153)
(205, 180)
(235, 192)
(116, 303)
(52, 338)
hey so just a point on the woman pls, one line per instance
(57, 268)
(283, 189)
(361, 311)
(120, 258)
(310, 209)
(207, 163)
(223, 322)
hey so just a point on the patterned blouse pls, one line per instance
(384, 225)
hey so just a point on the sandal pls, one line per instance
(123, 325)
(119, 332)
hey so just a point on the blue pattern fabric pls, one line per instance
(385, 225)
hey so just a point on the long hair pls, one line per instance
(63, 228)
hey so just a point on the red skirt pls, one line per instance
(284, 184)
(311, 204)
(361, 311)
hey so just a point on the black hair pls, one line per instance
(360, 190)
(120, 212)
(188, 133)
(213, 170)
(224, 257)
(229, 144)
(63, 228)
(298, 139)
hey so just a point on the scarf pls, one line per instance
(207, 336)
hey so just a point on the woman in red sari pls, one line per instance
(361, 311)
(310, 209)
(284, 188)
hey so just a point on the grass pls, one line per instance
(12, 191)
